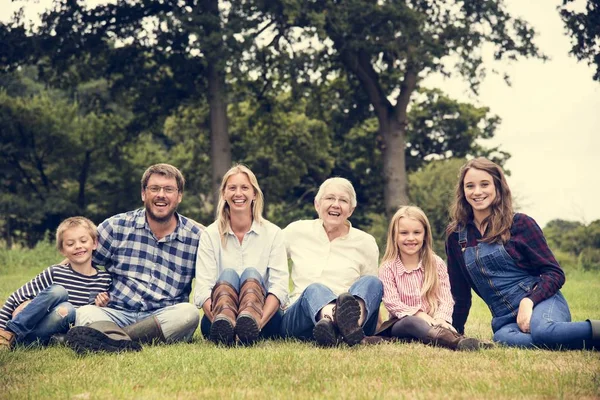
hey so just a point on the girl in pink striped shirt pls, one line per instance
(416, 287)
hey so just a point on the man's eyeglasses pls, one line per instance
(156, 189)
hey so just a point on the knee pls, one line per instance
(370, 284)
(315, 288)
(188, 315)
(542, 333)
(66, 310)
(228, 275)
(251, 273)
(85, 315)
(58, 292)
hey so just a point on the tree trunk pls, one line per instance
(395, 192)
(220, 147)
(83, 175)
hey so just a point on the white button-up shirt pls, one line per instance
(336, 264)
(262, 248)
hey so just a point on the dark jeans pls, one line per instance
(47, 314)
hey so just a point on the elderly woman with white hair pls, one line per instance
(336, 293)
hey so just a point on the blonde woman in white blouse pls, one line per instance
(241, 268)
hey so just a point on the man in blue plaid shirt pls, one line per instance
(151, 255)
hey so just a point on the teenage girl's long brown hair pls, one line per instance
(500, 220)
(431, 282)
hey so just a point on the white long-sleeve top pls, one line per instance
(336, 264)
(262, 248)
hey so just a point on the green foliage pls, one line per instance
(589, 259)
(432, 189)
(567, 261)
(584, 28)
(574, 238)
(288, 151)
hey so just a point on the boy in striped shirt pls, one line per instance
(46, 305)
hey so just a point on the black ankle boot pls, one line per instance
(100, 336)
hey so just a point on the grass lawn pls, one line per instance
(295, 370)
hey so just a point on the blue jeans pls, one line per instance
(301, 317)
(550, 327)
(177, 322)
(502, 284)
(271, 328)
(47, 314)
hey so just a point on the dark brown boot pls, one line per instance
(252, 301)
(224, 307)
(100, 336)
(346, 314)
(440, 336)
(326, 333)
(146, 331)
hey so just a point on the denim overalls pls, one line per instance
(502, 285)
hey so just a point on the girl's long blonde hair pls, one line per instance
(431, 282)
(500, 220)
(223, 214)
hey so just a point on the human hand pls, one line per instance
(426, 317)
(444, 324)
(524, 315)
(207, 308)
(102, 299)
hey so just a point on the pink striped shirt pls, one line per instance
(402, 290)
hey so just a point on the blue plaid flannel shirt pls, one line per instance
(148, 274)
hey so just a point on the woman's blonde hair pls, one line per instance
(431, 284)
(500, 220)
(223, 213)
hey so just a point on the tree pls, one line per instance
(390, 46)
(49, 151)
(584, 27)
(432, 189)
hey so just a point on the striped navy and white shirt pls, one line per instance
(82, 289)
(148, 273)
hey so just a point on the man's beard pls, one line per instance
(160, 220)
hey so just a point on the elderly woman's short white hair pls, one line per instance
(344, 183)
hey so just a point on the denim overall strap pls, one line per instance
(462, 238)
(498, 280)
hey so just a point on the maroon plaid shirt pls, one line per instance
(527, 247)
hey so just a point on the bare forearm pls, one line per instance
(270, 308)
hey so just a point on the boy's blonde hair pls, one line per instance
(431, 282)
(73, 222)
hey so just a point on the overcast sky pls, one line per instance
(550, 119)
(550, 122)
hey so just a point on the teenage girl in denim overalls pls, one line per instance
(504, 257)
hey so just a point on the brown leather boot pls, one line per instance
(224, 307)
(146, 331)
(326, 333)
(7, 340)
(252, 301)
(440, 336)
